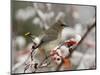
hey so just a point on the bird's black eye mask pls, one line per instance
(64, 25)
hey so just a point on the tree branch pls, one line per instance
(73, 49)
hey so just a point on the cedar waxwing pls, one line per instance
(49, 35)
(52, 33)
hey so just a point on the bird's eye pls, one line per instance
(63, 25)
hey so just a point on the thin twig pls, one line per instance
(84, 36)
(42, 63)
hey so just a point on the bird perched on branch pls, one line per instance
(49, 35)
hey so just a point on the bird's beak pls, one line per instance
(64, 25)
